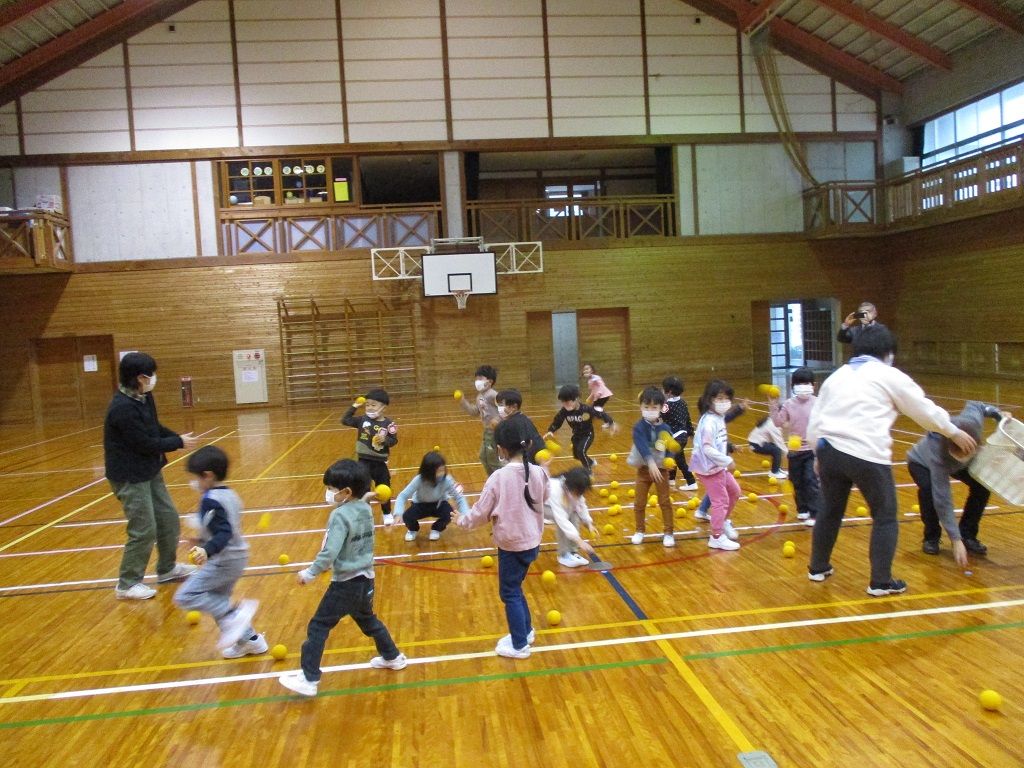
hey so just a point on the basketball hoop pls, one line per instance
(461, 297)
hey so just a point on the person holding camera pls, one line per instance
(857, 321)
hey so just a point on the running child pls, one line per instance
(429, 492)
(487, 409)
(646, 455)
(377, 436)
(599, 392)
(581, 421)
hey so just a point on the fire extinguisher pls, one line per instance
(186, 392)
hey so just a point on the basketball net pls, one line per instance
(461, 297)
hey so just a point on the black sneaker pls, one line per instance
(894, 587)
(975, 547)
(820, 575)
(930, 546)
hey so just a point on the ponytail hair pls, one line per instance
(511, 435)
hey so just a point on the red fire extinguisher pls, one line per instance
(186, 392)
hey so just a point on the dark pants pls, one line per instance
(512, 568)
(600, 402)
(974, 507)
(344, 598)
(680, 459)
(769, 449)
(380, 474)
(442, 510)
(806, 490)
(839, 472)
(580, 445)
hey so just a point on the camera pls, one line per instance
(860, 315)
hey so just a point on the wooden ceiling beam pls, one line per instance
(87, 40)
(894, 34)
(995, 12)
(14, 12)
(762, 11)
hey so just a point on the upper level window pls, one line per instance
(571, 191)
(974, 126)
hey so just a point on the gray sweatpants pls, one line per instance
(209, 589)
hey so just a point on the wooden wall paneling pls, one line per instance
(96, 387)
(541, 351)
(55, 375)
(604, 341)
(760, 340)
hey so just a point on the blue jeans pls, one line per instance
(512, 568)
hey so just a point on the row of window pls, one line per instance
(977, 125)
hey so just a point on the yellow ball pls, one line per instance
(673, 445)
(789, 543)
(487, 561)
(613, 484)
(680, 512)
(614, 509)
(762, 389)
(603, 492)
(788, 550)
(548, 577)
(554, 618)
(360, 400)
(543, 455)
(915, 508)
(751, 496)
(264, 522)
(608, 529)
(193, 617)
(669, 463)
(383, 492)
(664, 436)
(737, 473)
(783, 508)
(652, 501)
(437, 447)
(765, 463)
(613, 457)
(192, 557)
(279, 651)
(774, 391)
(693, 503)
(788, 486)
(795, 442)
(457, 394)
(990, 700)
(631, 493)
(772, 481)
(862, 511)
(283, 559)
(613, 498)
(552, 446)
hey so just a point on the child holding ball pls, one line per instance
(377, 436)
(792, 416)
(646, 455)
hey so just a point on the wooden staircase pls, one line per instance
(337, 349)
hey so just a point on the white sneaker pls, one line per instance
(399, 662)
(722, 542)
(570, 560)
(668, 540)
(296, 681)
(730, 530)
(699, 515)
(530, 638)
(434, 535)
(411, 535)
(690, 487)
(809, 522)
(246, 647)
(505, 649)
(177, 573)
(780, 475)
(802, 515)
(637, 538)
(135, 592)
(579, 559)
(388, 520)
(236, 622)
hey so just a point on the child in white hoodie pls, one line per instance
(566, 507)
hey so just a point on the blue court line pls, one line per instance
(621, 590)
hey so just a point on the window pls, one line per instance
(569, 192)
(972, 127)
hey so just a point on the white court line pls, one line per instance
(50, 440)
(630, 640)
(51, 501)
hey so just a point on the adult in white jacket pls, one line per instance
(849, 430)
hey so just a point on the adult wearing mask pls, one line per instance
(134, 448)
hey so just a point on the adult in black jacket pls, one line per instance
(864, 317)
(134, 444)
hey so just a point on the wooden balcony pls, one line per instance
(33, 242)
(986, 182)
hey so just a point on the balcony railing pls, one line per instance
(580, 219)
(275, 230)
(34, 241)
(982, 183)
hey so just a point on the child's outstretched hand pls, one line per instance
(304, 576)
(549, 436)
(613, 428)
(197, 555)
(593, 529)
(960, 553)
(652, 467)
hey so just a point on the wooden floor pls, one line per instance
(678, 657)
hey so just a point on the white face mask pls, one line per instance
(330, 496)
(480, 384)
(502, 411)
(722, 406)
(372, 414)
(650, 414)
(150, 383)
(194, 485)
(803, 391)
(889, 359)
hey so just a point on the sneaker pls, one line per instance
(570, 560)
(177, 573)
(722, 542)
(820, 575)
(894, 587)
(780, 475)
(297, 682)
(411, 535)
(689, 486)
(699, 514)
(730, 530)
(135, 592)
(809, 522)
(930, 546)
(668, 540)
(505, 649)
(975, 547)
(388, 520)
(802, 515)
(236, 622)
(399, 662)
(246, 647)
(434, 535)
(637, 538)
(530, 638)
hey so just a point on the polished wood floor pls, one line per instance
(679, 657)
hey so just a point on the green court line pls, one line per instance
(852, 641)
(326, 694)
